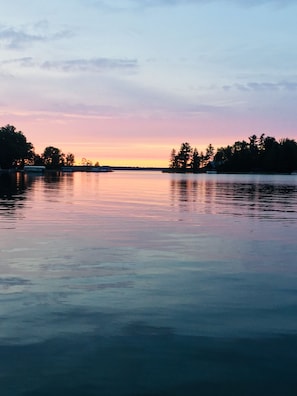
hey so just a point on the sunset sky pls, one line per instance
(125, 81)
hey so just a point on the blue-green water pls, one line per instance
(143, 283)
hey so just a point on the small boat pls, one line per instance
(101, 169)
(86, 168)
(34, 168)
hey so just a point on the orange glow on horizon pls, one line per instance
(129, 162)
(134, 141)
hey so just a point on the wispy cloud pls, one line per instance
(263, 86)
(140, 4)
(236, 2)
(91, 65)
(13, 38)
(95, 65)
(78, 110)
(21, 37)
(26, 61)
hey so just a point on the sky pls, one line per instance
(123, 82)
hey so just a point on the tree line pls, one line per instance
(16, 151)
(258, 154)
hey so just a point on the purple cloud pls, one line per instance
(91, 65)
(17, 38)
(26, 61)
(263, 86)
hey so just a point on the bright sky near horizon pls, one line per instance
(125, 81)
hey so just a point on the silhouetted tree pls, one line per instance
(259, 154)
(196, 159)
(37, 160)
(269, 154)
(173, 164)
(253, 152)
(53, 158)
(14, 148)
(208, 156)
(287, 155)
(222, 156)
(181, 161)
(188, 159)
(86, 162)
(69, 160)
(209, 152)
(185, 156)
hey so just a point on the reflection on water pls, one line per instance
(18, 190)
(234, 195)
(143, 283)
(12, 192)
(12, 186)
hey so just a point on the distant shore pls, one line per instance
(155, 169)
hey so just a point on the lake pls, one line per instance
(146, 283)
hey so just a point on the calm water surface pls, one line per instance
(143, 283)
